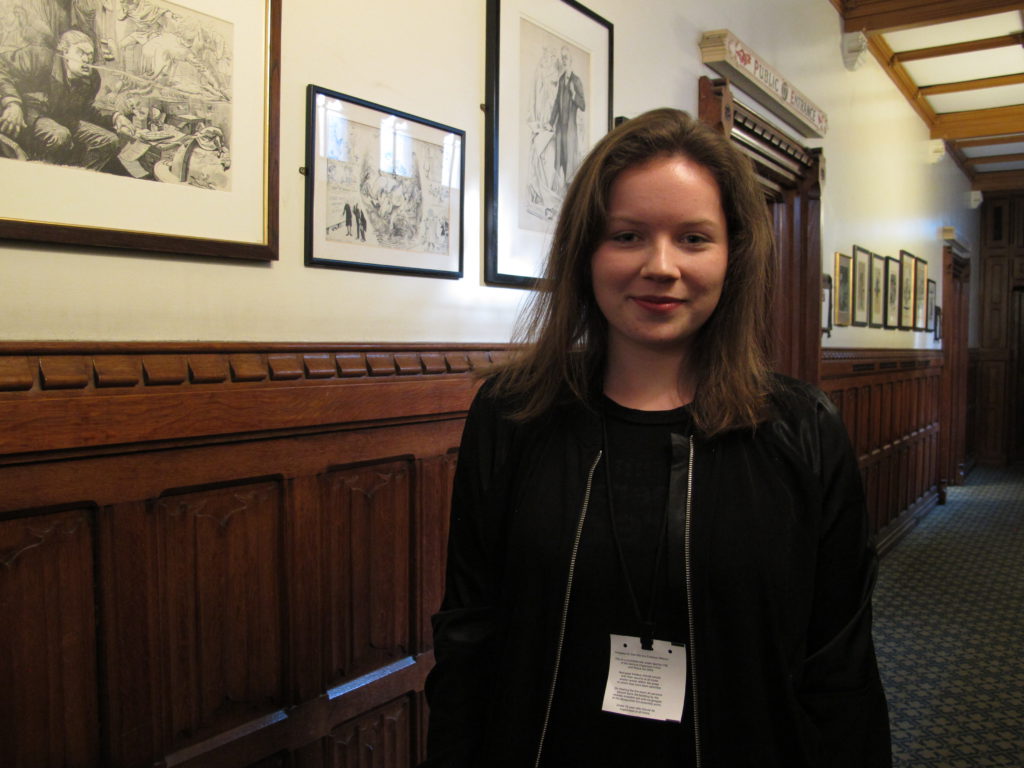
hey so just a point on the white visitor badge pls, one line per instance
(649, 684)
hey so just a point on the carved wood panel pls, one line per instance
(367, 542)
(49, 713)
(222, 555)
(889, 401)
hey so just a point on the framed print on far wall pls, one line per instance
(861, 279)
(383, 188)
(843, 287)
(931, 306)
(907, 263)
(188, 162)
(549, 99)
(877, 302)
(892, 293)
(920, 295)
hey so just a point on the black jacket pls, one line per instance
(782, 569)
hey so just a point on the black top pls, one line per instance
(639, 447)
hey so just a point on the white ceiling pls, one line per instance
(971, 95)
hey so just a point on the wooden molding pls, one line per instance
(77, 396)
(884, 15)
(1004, 41)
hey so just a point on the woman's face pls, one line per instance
(658, 272)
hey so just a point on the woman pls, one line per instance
(658, 550)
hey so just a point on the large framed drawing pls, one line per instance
(383, 188)
(861, 280)
(877, 318)
(159, 131)
(907, 262)
(549, 99)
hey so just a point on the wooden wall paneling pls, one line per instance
(259, 586)
(133, 636)
(367, 524)
(49, 708)
(996, 293)
(993, 370)
(437, 474)
(304, 558)
(888, 400)
(378, 739)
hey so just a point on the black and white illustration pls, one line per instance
(844, 289)
(892, 292)
(861, 288)
(554, 130)
(135, 88)
(385, 188)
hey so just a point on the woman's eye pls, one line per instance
(694, 239)
(624, 237)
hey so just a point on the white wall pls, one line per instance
(428, 59)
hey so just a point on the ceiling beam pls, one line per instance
(883, 54)
(1000, 181)
(886, 15)
(971, 85)
(988, 141)
(978, 122)
(971, 46)
(991, 159)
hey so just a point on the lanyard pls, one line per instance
(646, 621)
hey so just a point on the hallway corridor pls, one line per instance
(949, 628)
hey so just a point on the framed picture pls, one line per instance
(907, 262)
(383, 188)
(930, 311)
(861, 287)
(892, 293)
(549, 99)
(176, 151)
(938, 324)
(920, 295)
(843, 287)
(877, 300)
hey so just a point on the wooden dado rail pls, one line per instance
(889, 400)
(222, 555)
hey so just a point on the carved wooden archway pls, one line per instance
(790, 177)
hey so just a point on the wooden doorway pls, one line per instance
(790, 178)
(954, 461)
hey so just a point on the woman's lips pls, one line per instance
(662, 304)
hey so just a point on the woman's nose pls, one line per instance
(659, 264)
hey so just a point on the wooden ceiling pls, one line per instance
(965, 79)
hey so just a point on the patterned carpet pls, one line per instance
(949, 628)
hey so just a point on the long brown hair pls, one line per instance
(563, 334)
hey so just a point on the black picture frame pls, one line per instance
(523, 184)
(908, 263)
(861, 305)
(410, 188)
(843, 289)
(920, 294)
(930, 308)
(892, 293)
(231, 213)
(876, 315)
